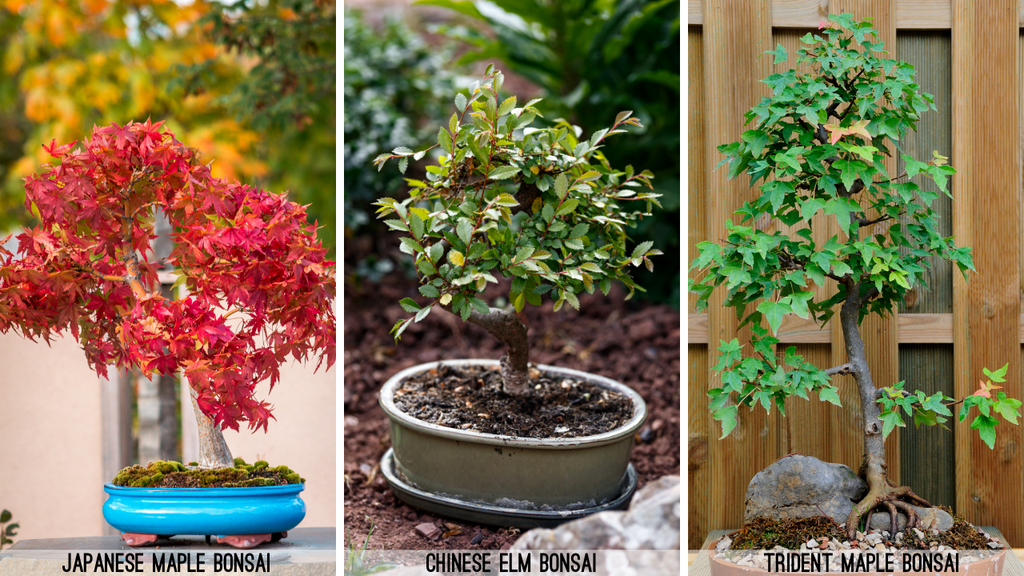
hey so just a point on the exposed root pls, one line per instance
(893, 499)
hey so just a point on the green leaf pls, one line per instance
(506, 200)
(890, 420)
(464, 231)
(429, 290)
(567, 207)
(5, 516)
(460, 101)
(830, 394)
(579, 230)
(986, 427)
(435, 251)
(561, 185)
(998, 375)
(507, 106)
(409, 305)
(416, 223)
(503, 172)
(422, 313)
(727, 415)
(621, 116)
(773, 312)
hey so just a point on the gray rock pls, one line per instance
(799, 486)
(651, 523)
(931, 519)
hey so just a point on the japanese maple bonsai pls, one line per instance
(818, 147)
(539, 206)
(260, 290)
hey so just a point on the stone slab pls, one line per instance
(305, 552)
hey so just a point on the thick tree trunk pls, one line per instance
(873, 466)
(213, 449)
(505, 326)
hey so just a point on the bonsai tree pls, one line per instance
(542, 206)
(816, 151)
(259, 288)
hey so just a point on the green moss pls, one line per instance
(241, 475)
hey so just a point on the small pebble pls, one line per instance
(811, 544)
(477, 539)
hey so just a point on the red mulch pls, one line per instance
(636, 343)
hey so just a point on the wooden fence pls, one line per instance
(966, 55)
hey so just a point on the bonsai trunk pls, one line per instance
(505, 326)
(873, 468)
(213, 449)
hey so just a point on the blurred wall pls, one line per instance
(51, 452)
(51, 475)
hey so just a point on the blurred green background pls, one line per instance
(250, 83)
(589, 60)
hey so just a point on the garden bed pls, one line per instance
(634, 342)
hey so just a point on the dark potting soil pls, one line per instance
(766, 533)
(471, 398)
(634, 342)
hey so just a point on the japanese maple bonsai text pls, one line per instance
(818, 146)
(260, 291)
(540, 206)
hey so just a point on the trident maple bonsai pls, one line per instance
(541, 206)
(260, 290)
(818, 147)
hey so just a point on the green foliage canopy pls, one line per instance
(542, 206)
(816, 150)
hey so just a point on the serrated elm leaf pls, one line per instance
(409, 305)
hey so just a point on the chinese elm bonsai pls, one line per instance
(818, 146)
(542, 206)
(260, 290)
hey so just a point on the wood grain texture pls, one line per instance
(880, 334)
(910, 14)
(927, 454)
(697, 355)
(736, 33)
(986, 216)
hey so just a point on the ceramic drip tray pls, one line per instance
(505, 513)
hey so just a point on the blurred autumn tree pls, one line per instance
(69, 65)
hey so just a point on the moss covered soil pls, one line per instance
(169, 474)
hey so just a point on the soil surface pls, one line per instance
(633, 342)
(472, 398)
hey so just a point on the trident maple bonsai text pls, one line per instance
(818, 145)
(541, 206)
(260, 290)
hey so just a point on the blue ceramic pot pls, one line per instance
(204, 511)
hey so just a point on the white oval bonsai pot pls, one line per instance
(511, 472)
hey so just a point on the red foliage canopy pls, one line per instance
(260, 288)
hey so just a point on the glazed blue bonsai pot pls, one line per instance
(204, 511)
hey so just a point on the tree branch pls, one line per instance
(842, 370)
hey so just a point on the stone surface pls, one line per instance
(651, 523)
(428, 530)
(931, 518)
(799, 486)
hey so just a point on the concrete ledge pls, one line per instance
(305, 552)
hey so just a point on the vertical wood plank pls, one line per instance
(927, 454)
(736, 34)
(987, 209)
(697, 416)
(808, 424)
(880, 334)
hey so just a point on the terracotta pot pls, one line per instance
(991, 566)
(556, 476)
